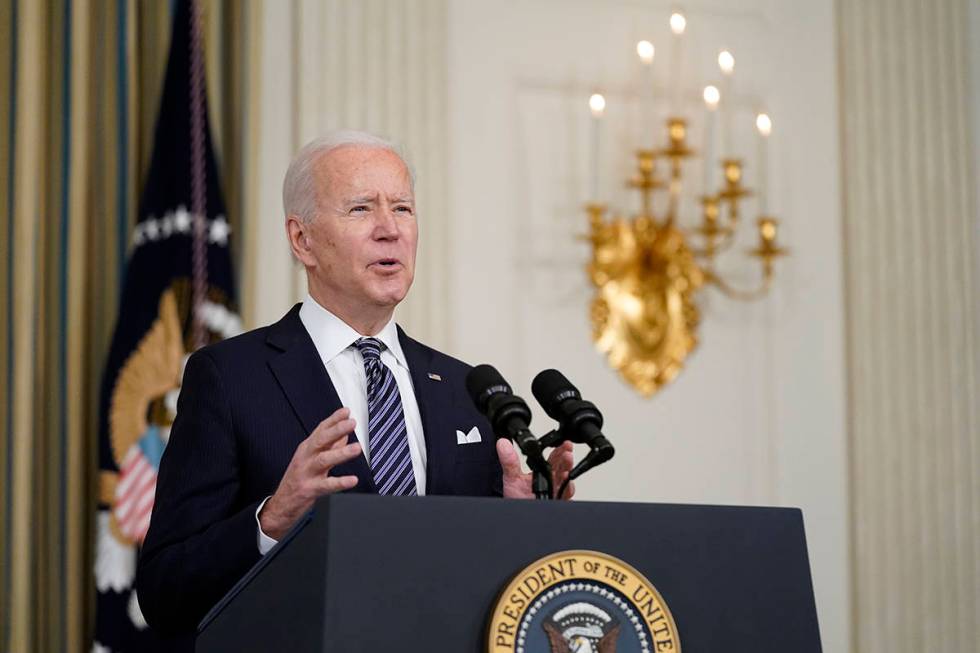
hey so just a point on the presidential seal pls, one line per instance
(581, 602)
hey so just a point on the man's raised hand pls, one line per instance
(306, 478)
(517, 483)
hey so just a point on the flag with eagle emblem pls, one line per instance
(178, 294)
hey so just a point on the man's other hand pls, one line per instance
(306, 479)
(517, 483)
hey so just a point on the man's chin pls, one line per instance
(388, 296)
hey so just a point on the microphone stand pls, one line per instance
(541, 483)
(549, 440)
(598, 454)
(530, 446)
(541, 480)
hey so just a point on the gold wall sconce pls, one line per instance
(648, 270)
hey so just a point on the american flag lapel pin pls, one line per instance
(434, 376)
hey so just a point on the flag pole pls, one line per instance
(198, 167)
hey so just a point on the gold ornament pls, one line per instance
(647, 271)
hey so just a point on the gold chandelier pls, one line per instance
(647, 269)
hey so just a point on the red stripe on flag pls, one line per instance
(146, 481)
(128, 474)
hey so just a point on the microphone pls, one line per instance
(509, 415)
(578, 421)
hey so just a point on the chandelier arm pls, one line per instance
(732, 215)
(722, 246)
(671, 213)
(715, 279)
(726, 242)
(674, 190)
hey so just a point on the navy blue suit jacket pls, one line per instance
(245, 405)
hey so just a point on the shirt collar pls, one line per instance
(331, 335)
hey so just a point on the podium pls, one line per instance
(365, 573)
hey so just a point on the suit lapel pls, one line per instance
(308, 388)
(435, 399)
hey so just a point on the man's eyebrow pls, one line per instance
(405, 200)
(361, 199)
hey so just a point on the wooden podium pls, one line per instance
(377, 574)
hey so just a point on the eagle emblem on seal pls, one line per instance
(581, 628)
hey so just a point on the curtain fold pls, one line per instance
(80, 82)
(914, 337)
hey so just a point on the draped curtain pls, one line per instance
(914, 338)
(79, 90)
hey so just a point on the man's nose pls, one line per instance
(386, 225)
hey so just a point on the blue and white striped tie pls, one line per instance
(391, 461)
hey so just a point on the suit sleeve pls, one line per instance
(200, 540)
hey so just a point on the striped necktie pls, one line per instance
(391, 461)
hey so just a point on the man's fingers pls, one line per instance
(561, 457)
(561, 460)
(338, 415)
(327, 460)
(339, 443)
(569, 491)
(332, 484)
(330, 431)
(508, 458)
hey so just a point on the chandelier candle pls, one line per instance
(726, 62)
(645, 50)
(597, 104)
(678, 23)
(711, 99)
(764, 125)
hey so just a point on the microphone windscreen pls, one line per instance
(484, 381)
(551, 388)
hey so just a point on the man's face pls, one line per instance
(361, 245)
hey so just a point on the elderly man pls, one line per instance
(333, 397)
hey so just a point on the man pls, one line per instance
(334, 397)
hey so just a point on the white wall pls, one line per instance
(758, 415)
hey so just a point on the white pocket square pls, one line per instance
(468, 438)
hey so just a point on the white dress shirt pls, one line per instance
(334, 341)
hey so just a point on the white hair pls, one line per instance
(298, 188)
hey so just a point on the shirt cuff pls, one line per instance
(265, 543)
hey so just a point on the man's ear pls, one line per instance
(299, 239)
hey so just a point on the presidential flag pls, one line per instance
(178, 294)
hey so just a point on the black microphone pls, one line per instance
(509, 415)
(578, 421)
